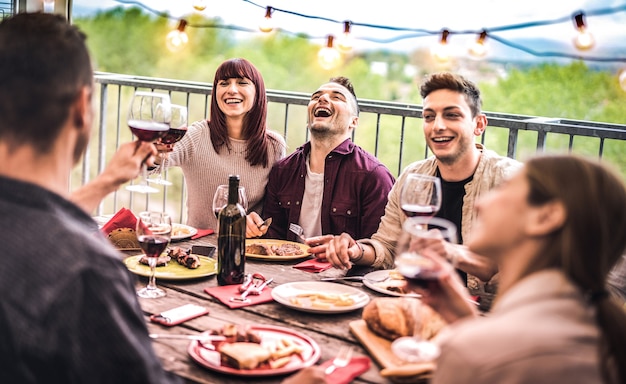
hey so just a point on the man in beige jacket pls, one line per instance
(452, 118)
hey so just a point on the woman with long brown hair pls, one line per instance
(555, 229)
(234, 140)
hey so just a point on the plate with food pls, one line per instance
(387, 281)
(320, 297)
(175, 264)
(182, 231)
(271, 249)
(256, 350)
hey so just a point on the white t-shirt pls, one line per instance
(310, 214)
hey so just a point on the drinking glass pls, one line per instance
(148, 119)
(420, 195)
(154, 230)
(220, 199)
(420, 271)
(178, 129)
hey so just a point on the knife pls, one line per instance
(266, 223)
(203, 337)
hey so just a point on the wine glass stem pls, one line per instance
(144, 174)
(163, 156)
(152, 261)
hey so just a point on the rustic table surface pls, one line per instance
(330, 331)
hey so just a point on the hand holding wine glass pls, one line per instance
(148, 119)
(178, 129)
(420, 271)
(420, 195)
(154, 230)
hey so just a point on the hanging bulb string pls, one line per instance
(418, 32)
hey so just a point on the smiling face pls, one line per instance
(235, 96)
(449, 127)
(332, 111)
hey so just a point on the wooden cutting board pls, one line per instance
(380, 349)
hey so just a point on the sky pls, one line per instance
(433, 16)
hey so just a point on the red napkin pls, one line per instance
(124, 218)
(202, 233)
(313, 265)
(225, 292)
(357, 366)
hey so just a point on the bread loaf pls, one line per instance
(244, 355)
(393, 317)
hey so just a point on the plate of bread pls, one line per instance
(256, 350)
(182, 231)
(320, 297)
(385, 319)
(387, 281)
(273, 249)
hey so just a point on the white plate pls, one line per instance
(376, 283)
(182, 231)
(325, 297)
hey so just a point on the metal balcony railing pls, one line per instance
(391, 131)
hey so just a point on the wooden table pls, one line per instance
(330, 331)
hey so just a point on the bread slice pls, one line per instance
(244, 355)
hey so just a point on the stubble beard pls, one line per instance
(464, 145)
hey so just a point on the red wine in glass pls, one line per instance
(148, 130)
(418, 271)
(173, 135)
(152, 245)
(412, 210)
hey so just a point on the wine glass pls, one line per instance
(420, 195)
(154, 230)
(148, 119)
(220, 199)
(178, 129)
(420, 271)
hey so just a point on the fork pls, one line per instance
(295, 228)
(341, 360)
(379, 279)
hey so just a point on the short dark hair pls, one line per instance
(44, 64)
(345, 82)
(453, 82)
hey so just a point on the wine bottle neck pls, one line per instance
(233, 192)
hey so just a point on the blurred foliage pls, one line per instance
(132, 42)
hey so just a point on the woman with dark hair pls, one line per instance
(234, 140)
(555, 229)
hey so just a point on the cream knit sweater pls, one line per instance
(204, 170)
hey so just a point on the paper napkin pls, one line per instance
(225, 292)
(357, 366)
(124, 218)
(202, 233)
(313, 265)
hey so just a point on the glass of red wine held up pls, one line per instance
(420, 195)
(178, 129)
(149, 119)
(154, 231)
(420, 233)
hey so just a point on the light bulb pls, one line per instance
(267, 24)
(622, 79)
(478, 49)
(329, 57)
(177, 39)
(199, 5)
(584, 39)
(441, 51)
(345, 41)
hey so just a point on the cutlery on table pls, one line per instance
(341, 360)
(356, 278)
(295, 228)
(251, 290)
(201, 337)
(266, 224)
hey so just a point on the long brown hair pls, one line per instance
(591, 241)
(255, 121)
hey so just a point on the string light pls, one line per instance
(478, 48)
(441, 51)
(267, 24)
(622, 79)
(345, 41)
(177, 39)
(199, 5)
(328, 56)
(584, 39)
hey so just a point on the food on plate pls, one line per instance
(178, 230)
(322, 300)
(393, 317)
(285, 249)
(243, 355)
(236, 333)
(161, 260)
(183, 258)
(394, 283)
